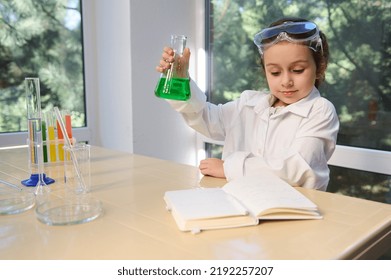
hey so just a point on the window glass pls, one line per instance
(43, 39)
(367, 185)
(358, 79)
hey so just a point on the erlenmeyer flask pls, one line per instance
(174, 83)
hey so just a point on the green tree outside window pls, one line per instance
(40, 38)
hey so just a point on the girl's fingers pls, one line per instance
(164, 64)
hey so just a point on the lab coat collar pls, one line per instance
(301, 107)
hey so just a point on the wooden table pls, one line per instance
(136, 225)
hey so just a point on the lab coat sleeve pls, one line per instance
(293, 168)
(234, 166)
(204, 117)
(194, 105)
(305, 162)
(313, 146)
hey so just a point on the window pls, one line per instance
(358, 80)
(40, 39)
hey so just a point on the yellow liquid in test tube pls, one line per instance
(52, 145)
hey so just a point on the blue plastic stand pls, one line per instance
(34, 178)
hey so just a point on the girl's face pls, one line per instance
(290, 72)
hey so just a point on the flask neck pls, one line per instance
(178, 43)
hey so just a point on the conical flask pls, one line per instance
(174, 83)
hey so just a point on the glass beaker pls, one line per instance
(77, 181)
(75, 205)
(174, 83)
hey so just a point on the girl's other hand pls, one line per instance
(212, 167)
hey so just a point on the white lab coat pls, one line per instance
(295, 142)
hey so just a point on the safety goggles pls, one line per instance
(305, 33)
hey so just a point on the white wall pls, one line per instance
(158, 130)
(125, 42)
(108, 73)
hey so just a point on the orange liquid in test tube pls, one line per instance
(60, 137)
(68, 125)
(68, 128)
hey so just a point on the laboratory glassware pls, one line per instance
(174, 83)
(76, 205)
(38, 178)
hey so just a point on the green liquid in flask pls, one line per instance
(176, 88)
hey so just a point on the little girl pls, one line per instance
(291, 130)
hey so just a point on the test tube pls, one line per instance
(68, 127)
(44, 139)
(51, 124)
(60, 146)
(68, 123)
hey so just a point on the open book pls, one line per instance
(241, 202)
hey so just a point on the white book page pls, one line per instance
(261, 192)
(205, 203)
